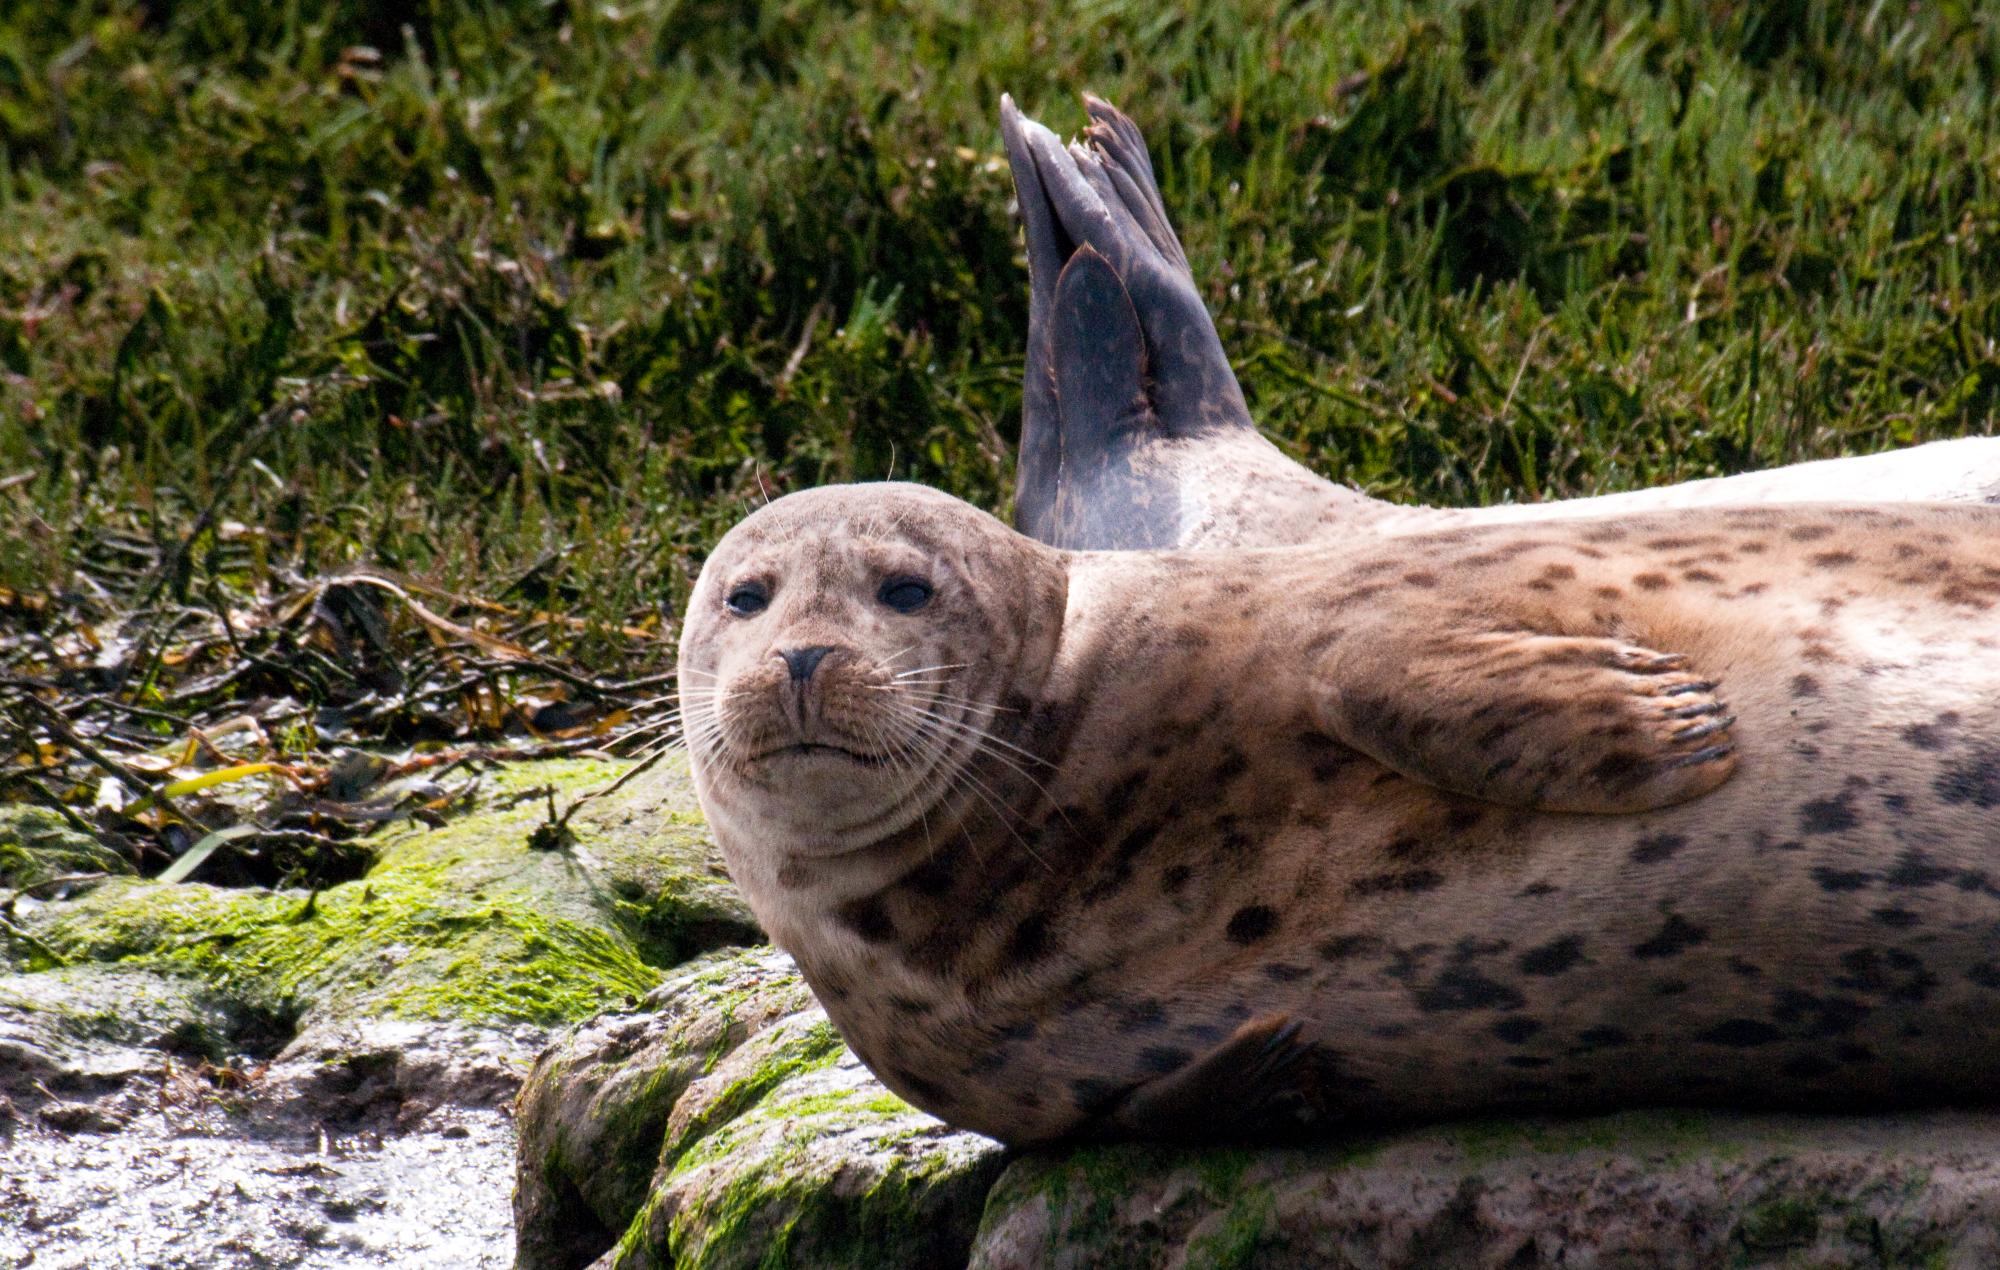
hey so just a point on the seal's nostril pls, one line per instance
(800, 661)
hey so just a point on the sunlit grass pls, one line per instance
(531, 297)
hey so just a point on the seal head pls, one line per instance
(846, 654)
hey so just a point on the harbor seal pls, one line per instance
(1135, 433)
(1675, 808)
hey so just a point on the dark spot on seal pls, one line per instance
(1809, 533)
(1137, 840)
(1030, 940)
(1675, 936)
(1516, 1030)
(1420, 578)
(1022, 1031)
(1251, 923)
(908, 1005)
(1825, 1016)
(1929, 736)
(1610, 593)
(1553, 957)
(1233, 765)
(1975, 781)
(1534, 889)
(1174, 877)
(1805, 686)
(931, 878)
(1914, 871)
(1285, 973)
(1741, 1034)
(1463, 988)
(1651, 581)
(1838, 880)
(1343, 947)
(1525, 1060)
(869, 918)
(1598, 1038)
(1896, 917)
(1743, 969)
(1161, 1059)
(1833, 559)
(1145, 1014)
(1410, 882)
(1657, 847)
(1118, 800)
(1559, 572)
(1700, 575)
(1986, 975)
(1892, 973)
(1827, 815)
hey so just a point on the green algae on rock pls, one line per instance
(37, 846)
(466, 926)
(593, 1114)
(763, 1139)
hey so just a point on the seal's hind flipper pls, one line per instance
(1101, 193)
(1098, 359)
(1108, 492)
(1547, 722)
(1258, 1083)
(1130, 171)
(1049, 249)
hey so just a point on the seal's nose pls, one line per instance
(801, 661)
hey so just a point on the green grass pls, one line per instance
(527, 297)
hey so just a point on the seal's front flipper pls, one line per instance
(1549, 722)
(1110, 493)
(1258, 1083)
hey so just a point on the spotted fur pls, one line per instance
(1190, 877)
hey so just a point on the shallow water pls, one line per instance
(170, 1191)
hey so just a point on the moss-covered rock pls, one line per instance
(473, 927)
(1642, 1188)
(37, 845)
(727, 1125)
(593, 1114)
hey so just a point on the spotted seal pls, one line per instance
(1682, 807)
(1110, 462)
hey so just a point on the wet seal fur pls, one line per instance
(1697, 808)
(1134, 431)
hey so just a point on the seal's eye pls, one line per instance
(747, 599)
(905, 595)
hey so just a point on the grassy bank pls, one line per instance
(523, 298)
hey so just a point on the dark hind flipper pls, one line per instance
(1103, 193)
(1110, 492)
(1049, 249)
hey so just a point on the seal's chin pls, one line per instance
(818, 751)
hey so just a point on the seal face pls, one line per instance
(1691, 808)
(846, 655)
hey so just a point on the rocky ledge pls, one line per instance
(199, 1076)
(722, 1124)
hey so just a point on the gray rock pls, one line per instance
(1638, 1189)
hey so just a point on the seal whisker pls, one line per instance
(956, 665)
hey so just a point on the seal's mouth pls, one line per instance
(818, 750)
